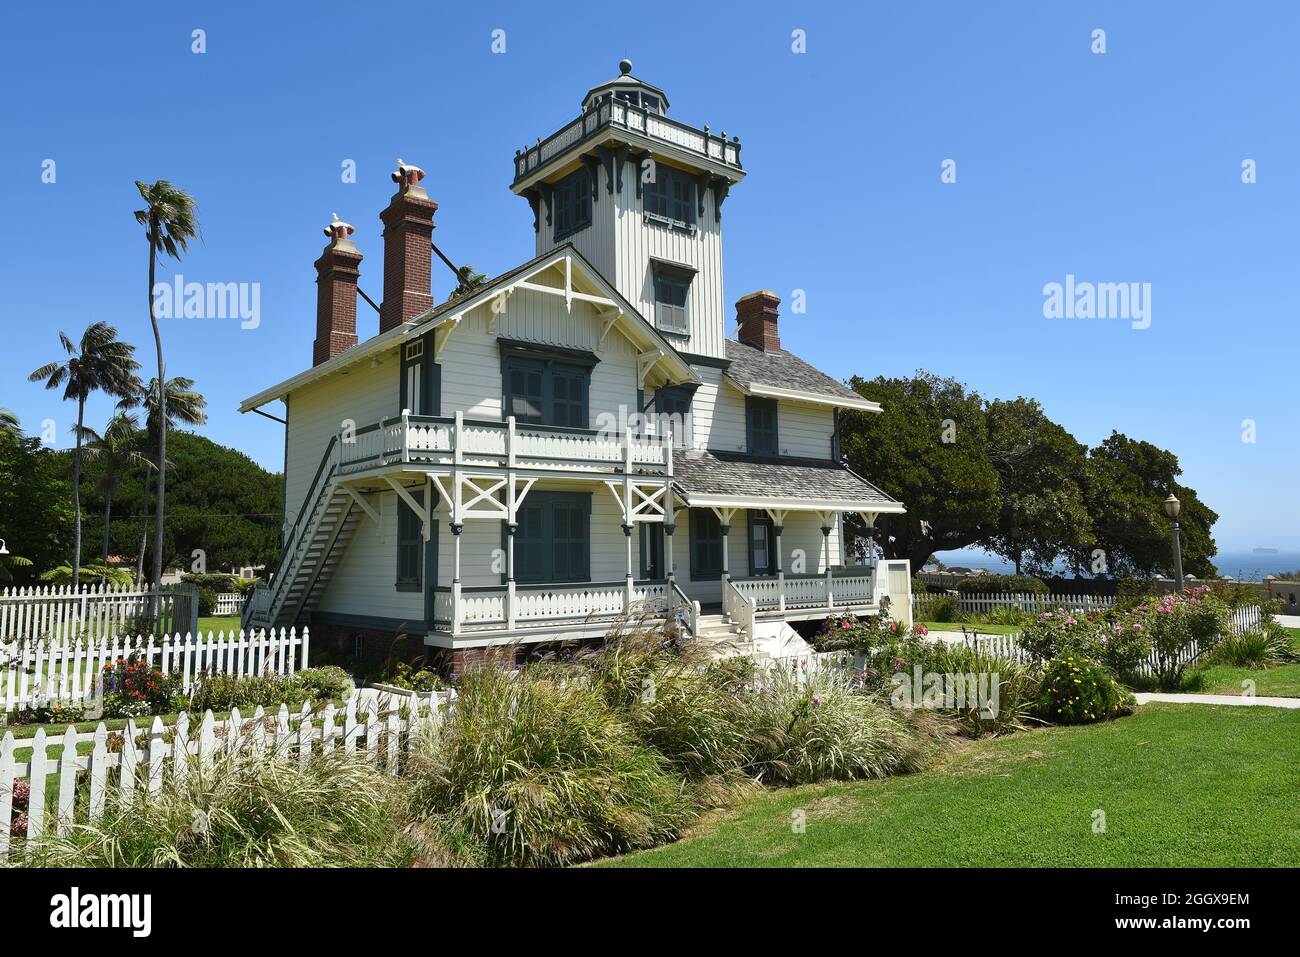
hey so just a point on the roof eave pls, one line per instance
(763, 390)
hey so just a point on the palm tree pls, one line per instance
(183, 404)
(170, 223)
(9, 422)
(467, 281)
(99, 363)
(116, 450)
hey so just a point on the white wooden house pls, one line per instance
(577, 437)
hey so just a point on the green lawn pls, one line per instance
(214, 625)
(982, 629)
(1180, 785)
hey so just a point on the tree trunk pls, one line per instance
(162, 415)
(76, 496)
(144, 535)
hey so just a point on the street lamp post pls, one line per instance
(1172, 508)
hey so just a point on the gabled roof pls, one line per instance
(783, 375)
(634, 325)
(706, 477)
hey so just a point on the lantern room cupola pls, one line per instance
(639, 195)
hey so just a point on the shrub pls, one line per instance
(401, 674)
(534, 771)
(1177, 622)
(221, 692)
(1078, 690)
(946, 608)
(52, 712)
(1256, 649)
(134, 689)
(207, 601)
(1002, 584)
(330, 683)
(1017, 686)
(335, 811)
(805, 728)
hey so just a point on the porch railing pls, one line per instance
(462, 608)
(842, 588)
(456, 440)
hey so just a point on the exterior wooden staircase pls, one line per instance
(310, 554)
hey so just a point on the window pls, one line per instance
(571, 201)
(760, 422)
(546, 391)
(552, 540)
(410, 547)
(761, 540)
(672, 297)
(671, 197)
(673, 407)
(706, 544)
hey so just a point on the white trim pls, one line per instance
(799, 395)
(792, 504)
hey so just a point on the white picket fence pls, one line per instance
(985, 604)
(229, 603)
(135, 762)
(57, 613)
(65, 672)
(1248, 618)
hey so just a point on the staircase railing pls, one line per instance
(692, 608)
(291, 550)
(739, 608)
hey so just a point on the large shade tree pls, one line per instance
(99, 362)
(170, 222)
(929, 448)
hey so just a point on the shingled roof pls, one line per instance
(705, 473)
(750, 366)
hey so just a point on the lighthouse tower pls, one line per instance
(640, 195)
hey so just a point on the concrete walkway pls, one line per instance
(1287, 621)
(1232, 699)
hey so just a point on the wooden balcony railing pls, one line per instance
(841, 588)
(456, 440)
(616, 113)
(465, 608)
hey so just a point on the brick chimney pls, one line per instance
(336, 294)
(757, 314)
(408, 251)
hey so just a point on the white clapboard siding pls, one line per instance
(150, 755)
(65, 672)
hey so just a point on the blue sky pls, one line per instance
(1120, 167)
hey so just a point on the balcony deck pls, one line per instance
(614, 114)
(451, 441)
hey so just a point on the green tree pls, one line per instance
(9, 421)
(100, 362)
(929, 448)
(1042, 513)
(1125, 484)
(170, 222)
(35, 506)
(116, 450)
(468, 279)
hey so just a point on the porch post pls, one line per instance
(456, 529)
(826, 547)
(726, 564)
(669, 528)
(780, 572)
(510, 574)
(627, 591)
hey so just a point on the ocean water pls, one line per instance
(1242, 565)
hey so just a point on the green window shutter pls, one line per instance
(410, 547)
(706, 545)
(761, 426)
(553, 538)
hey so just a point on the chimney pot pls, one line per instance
(408, 249)
(336, 293)
(757, 315)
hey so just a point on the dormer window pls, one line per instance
(571, 201)
(670, 199)
(647, 101)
